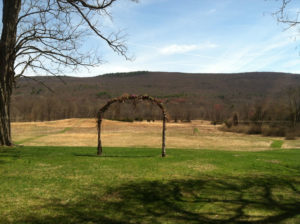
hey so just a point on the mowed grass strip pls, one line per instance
(136, 185)
(277, 144)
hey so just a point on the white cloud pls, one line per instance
(177, 49)
(260, 55)
(211, 11)
(185, 48)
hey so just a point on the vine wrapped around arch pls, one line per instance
(135, 99)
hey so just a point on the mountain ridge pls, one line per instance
(193, 92)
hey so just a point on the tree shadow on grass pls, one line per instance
(113, 156)
(205, 200)
(9, 153)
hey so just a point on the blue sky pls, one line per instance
(202, 36)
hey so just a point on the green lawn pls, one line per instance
(131, 185)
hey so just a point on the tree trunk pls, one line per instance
(11, 9)
(99, 148)
(5, 130)
(163, 153)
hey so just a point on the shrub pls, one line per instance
(125, 119)
(228, 123)
(254, 129)
(103, 94)
(290, 134)
(269, 130)
(138, 119)
(238, 129)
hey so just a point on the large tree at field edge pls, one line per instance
(47, 36)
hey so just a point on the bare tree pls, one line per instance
(47, 36)
(291, 19)
(294, 105)
(286, 16)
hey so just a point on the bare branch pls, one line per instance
(285, 16)
(113, 42)
(52, 32)
(40, 82)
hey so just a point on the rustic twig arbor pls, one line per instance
(134, 99)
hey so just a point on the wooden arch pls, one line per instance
(135, 99)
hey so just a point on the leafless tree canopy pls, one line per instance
(51, 34)
(48, 36)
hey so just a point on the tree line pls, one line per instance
(284, 110)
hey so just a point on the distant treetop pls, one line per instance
(125, 74)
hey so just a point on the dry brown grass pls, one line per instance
(82, 132)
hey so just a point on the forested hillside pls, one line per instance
(186, 96)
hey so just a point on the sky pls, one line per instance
(203, 36)
(200, 36)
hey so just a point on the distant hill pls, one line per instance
(194, 93)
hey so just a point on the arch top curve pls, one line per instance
(123, 99)
(135, 99)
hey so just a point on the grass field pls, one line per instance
(208, 176)
(136, 185)
(194, 135)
